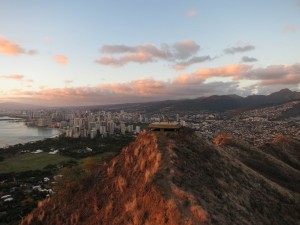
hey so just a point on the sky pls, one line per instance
(63, 53)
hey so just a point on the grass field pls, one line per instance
(102, 156)
(29, 161)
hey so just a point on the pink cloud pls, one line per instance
(191, 13)
(275, 74)
(233, 70)
(140, 57)
(183, 86)
(10, 48)
(119, 55)
(289, 79)
(146, 86)
(29, 80)
(179, 67)
(289, 28)
(134, 91)
(61, 59)
(16, 77)
(13, 77)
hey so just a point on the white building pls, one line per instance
(137, 129)
(93, 133)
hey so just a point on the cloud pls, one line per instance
(247, 59)
(139, 57)
(120, 55)
(13, 77)
(239, 49)
(233, 70)
(191, 13)
(275, 74)
(8, 47)
(68, 82)
(16, 77)
(148, 49)
(113, 49)
(32, 52)
(147, 89)
(28, 80)
(288, 28)
(185, 49)
(289, 79)
(202, 82)
(146, 86)
(61, 59)
(193, 60)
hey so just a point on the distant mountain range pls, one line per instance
(218, 103)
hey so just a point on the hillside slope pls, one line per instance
(179, 178)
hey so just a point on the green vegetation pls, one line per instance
(29, 161)
(75, 179)
(100, 157)
(71, 147)
(20, 172)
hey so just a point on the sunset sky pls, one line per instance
(76, 52)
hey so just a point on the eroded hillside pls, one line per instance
(179, 178)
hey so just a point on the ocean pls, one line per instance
(14, 132)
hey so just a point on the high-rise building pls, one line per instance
(42, 122)
(93, 133)
(130, 128)
(91, 125)
(110, 127)
(137, 129)
(102, 129)
(123, 128)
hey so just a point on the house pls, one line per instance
(37, 151)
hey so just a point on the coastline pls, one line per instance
(28, 134)
(30, 142)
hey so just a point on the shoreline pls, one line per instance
(30, 142)
(58, 132)
(7, 118)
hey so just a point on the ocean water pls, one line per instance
(15, 132)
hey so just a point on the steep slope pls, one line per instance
(285, 149)
(283, 95)
(179, 178)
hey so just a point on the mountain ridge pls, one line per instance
(216, 103)
(179, 178)
(219, 103)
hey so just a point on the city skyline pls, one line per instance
(74, 53)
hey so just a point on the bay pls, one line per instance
(15, 132)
